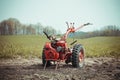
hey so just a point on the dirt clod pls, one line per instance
(32, 69)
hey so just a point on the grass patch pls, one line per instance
(101, 46)
(28, 46)
(25, 46)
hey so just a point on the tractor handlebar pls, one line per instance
(72, 29)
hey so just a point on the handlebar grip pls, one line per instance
(87, 24)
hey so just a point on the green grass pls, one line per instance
(28, 46)
(101, 46)
(25, 46)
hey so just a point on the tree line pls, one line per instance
(12, 26)
(109, 30)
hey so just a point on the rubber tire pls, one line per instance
(77, 50)
(44, 60)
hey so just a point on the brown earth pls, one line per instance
(31, 69)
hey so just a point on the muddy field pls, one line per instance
(32, 69)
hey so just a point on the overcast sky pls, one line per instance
(56, 12)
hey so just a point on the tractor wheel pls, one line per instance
(78, 56)
(44, 60)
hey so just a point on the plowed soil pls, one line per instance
(103, 68)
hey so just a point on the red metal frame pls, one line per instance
(52, 54)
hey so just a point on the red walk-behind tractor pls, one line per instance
(56, 50)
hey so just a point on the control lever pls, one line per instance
(46, 35)
(73, 42)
